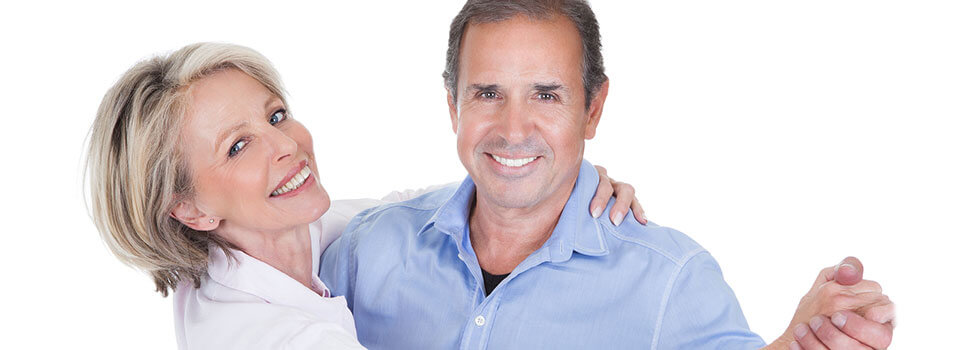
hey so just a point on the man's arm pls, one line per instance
(700, 311)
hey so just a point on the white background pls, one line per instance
(782, 136)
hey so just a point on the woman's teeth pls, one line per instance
(294, 183)
(515, 163)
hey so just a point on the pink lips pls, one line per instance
(306, 183)
(290, 174)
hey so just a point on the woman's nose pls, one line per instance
(283, 145)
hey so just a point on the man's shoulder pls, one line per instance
(415, 211)
(664, 241)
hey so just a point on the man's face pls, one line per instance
(520, 114)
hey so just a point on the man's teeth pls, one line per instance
(294, 183)
(513, 162)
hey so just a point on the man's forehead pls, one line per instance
(546, 52)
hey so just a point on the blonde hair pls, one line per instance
(138, 174)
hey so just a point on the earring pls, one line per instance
(211, 221)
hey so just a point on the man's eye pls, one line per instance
(488, 95)
(278, 116)
(237, 147)
(546, 97)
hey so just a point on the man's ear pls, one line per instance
(452, 104)
(188, 214)
(596, 109)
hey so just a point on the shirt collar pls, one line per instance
(249, 275)
(576, 229)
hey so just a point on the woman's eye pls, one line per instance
(278, 116)
(237, 147)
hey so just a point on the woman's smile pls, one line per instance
(293, 182)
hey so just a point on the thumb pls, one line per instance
(849, 271)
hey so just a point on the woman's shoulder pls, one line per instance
(215, 316)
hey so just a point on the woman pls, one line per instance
(200, 176)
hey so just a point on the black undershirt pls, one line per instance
(491, 281)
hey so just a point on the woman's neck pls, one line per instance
(288, 251)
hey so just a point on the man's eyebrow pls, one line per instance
(483, 87)
(223, 135)
(548, 87)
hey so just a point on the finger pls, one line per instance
(806, 339)
(833, 301)
(638, 211)
(866, 286)
(601, 170)
(849, 271)
(852, 272)
(871, 291)
(872, 334)
(602, 197)
(831, 336)
(884, 312)
(624, 194)
(826, 275)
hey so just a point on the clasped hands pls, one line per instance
(841, 311)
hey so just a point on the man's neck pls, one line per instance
(503, 237)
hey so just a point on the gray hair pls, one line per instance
(136, 170)
(489, 11)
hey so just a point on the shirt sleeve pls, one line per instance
(339, 215)
(700, 311)
(338, 263)
(400, 196)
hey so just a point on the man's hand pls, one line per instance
(844, 330)
(841, 311)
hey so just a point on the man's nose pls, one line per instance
(516, 122)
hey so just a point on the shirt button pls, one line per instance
(480, 321)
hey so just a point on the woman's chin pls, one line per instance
(319, 202)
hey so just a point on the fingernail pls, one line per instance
(850, 266)
(839, 319)
(596, 212)
(815, 323)
(795, 346)
(618, 219)
(644, 216)
(800, 331)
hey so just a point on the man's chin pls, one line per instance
(513, 195)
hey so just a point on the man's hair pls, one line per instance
(490, 11)
(137, 170)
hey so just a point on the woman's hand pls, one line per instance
(841, 311)
(626, 200)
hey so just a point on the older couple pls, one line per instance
(201, 177)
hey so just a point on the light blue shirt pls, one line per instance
(412, 280)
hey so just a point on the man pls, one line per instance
(512, 259)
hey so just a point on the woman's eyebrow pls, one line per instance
(223, 134)
(270, 100)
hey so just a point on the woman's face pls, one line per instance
(248, 157)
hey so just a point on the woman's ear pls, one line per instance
(188, 214)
